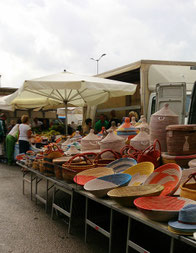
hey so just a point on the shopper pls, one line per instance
(24, 134)
(3, 131)
(88, 126)
(114, 118)
(11, 139)
(102, 122)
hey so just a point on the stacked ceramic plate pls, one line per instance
(83, 177)
(161, 208)
(140, 172)
(102, 185)
(125, 195)
(168, 175)
(122, 164)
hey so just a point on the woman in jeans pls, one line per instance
(24, 134)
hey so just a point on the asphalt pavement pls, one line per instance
(26, 228)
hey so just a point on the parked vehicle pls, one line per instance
(147, 74)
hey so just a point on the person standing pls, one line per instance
(3, 131)
(11, 139)
(24, 134)
(114, 118)
(102, 122)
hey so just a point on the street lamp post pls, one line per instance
(97, 60)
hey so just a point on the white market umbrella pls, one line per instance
(66, 88)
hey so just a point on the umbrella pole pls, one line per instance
(66, 121)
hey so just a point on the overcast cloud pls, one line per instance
(41, 37)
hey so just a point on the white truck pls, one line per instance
(170, 81)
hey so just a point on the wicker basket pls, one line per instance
(58, 172)
(71, 168)
(189, 190)
(127, 194)
(102, 162)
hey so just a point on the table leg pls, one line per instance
(70, 211)
(128, 234)
(36, 185)
(172, 245)
(86, 216)
(110, 238)
(53, 198)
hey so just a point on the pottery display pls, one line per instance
(133, 121)
(76, 137)
(141, 141)
(72, 151)
(112, 141)
(181, 139)
(90, 142)
(126, 130)
(158, 123)
(65, 144)
(192, 163)
(181, 160)
(102, 133)
(143, 124)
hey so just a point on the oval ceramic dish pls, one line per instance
(125, 195)
(83, 177)
(100, 186)
(121, 164)
(168, 175)
(161, 208)
(140, 172)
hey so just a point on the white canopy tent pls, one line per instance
(67, 89)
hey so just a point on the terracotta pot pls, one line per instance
(141, 141)
(181, 139)
(90, 142)
(158, 123)
(113, 142)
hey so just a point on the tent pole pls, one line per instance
(66, 120)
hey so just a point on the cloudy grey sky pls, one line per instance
(41, 37)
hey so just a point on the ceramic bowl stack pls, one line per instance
(168, 175)
(141, 141)
(90, 142)
(140, 172)
(161, 208)
(127, 194)
(121, 164)
(126, 130)
(102, 185)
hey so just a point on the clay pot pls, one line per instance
(141, 141)
(158, 123)
(181, 139)
(113, 142)
(90, 142)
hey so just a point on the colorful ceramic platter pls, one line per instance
(140, 172)
(168, 175)
(161, 208)
(100, 186)
(83, 177)
(125, 195)
(122, 164)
